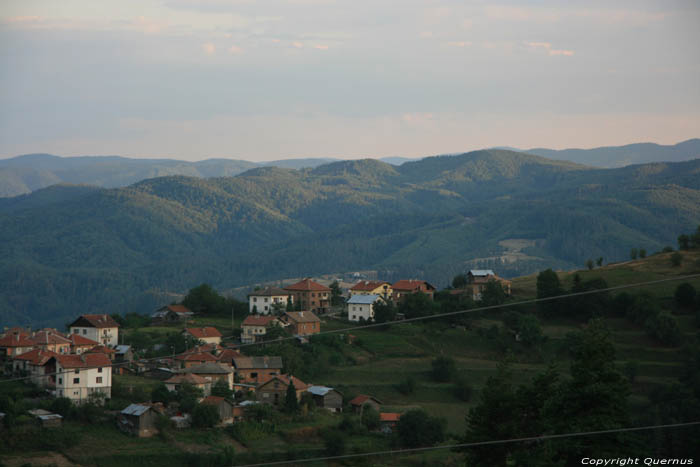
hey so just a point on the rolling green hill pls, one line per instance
(75, 248)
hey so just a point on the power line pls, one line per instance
(476, 444)
(395, 323)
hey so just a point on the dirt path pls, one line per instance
(50, 458)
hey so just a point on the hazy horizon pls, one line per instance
(201, 79)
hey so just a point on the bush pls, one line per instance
(205, 416)
(664, 328)
(334, 442)
(407, 386)
(676, 259)
(416, 429)
(443, 369)
(685, 295)
(462, 390)
(370, 417)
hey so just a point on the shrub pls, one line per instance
(462, 390)
(407, 386)
(370, 417)
(443, 369)
(676, 259)
(685, 295)
(334, 442)
(416, 428)
(205, 416)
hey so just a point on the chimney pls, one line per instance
(82, 357)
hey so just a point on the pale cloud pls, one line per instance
(521, 14)
(548, 47)
(209, 48)
(426, 34)
(298, 45)
(234, 49)
(22, 19)
(321, 47)
(458, 44)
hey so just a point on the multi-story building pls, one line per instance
(362, 307)
(310, 296)
(302, 323)
(35, 364)
(254, 327)
(208, 335)
(267, 300)
(100, 328)
(404, 288)
(52, 340)
(78, 377)
(381, 288)
(256, 370)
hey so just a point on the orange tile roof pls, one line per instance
(178, 308)
(77, 340)
(15, 340)
(362, 398)
(285, 379)
(213, 400)
(37, 356)
(86, 360)
(253, 320)
(197, 357)
(201, 333)
(307, 285)
(227, 356)
(101, 349)
(48, 337)
(368, 285)
(389, 417)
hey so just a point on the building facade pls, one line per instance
(268, 300)
(100, 328)
(310, 296)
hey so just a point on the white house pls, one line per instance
(79, 376)
(208, 334)
(362, 306)
(264, 301)
(100, 328)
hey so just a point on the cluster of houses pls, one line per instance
(79, 364)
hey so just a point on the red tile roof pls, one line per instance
(389, 417)
(37, 356)
(78, 340)
(201, 333)
(307, 285)
(228, 355)
(368, 286)
(213, 400)
(362, 398)
(95, 321)
(197, 357)
(48, 337)
(269, 292)
(411, 285)
(190, 378)
(253, 320)
(285, 379)
(86, 360)
(15, 340)
(177, 308)
(101, 349)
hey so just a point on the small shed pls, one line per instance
(326, 397)
(124, 353)
(362, 400)
(47, 419)
(388, 421)
(138, 420)
(224, 407)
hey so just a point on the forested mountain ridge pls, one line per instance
(71, 248)
(26, 173)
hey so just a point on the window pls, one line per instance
(313, 294)
(354, 317)
(253, 375)
(60, 380)
(76, 380)
(76, 393)
(99, 370)
(84, 331)
(265, 301)
(77, 372)
(99, 380)
(255, 299)
(76, 331)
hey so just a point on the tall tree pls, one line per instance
(291, 403)
(548, 285)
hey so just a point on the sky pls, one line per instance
(275, 79)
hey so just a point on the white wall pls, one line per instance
(106, 336)
(357, 311)
(86, 385)
(264, 303)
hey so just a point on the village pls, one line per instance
(215, 381)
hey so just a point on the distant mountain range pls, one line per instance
(24, 174)
(70, 249)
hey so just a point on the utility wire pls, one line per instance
(395, 323)
(475, 444)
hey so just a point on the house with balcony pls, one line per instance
(310, 296)
(406, 287)
(100, 328)
(268, 300)
(381, 288)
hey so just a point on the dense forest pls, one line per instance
(74, 248)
